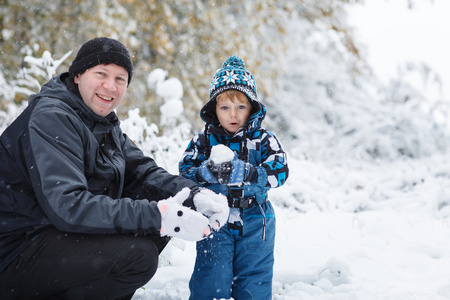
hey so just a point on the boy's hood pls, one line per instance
(257, 115)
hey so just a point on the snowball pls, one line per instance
(221, 153)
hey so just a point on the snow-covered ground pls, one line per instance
(357, 229)
(396, 246)
(349, 227)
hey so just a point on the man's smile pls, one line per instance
(104, 97)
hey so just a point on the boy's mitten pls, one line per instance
(222, 172)
(181, 221)
(204, 173)
(242, 172)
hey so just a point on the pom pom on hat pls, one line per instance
(233, 75)
(101, 50)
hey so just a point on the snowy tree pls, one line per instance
(190, 39)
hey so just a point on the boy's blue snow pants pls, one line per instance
(229, 265)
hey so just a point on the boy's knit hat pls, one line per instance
(232, 76)
(101, 50)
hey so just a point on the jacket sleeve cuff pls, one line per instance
(199, 178)
(261, 179)
(252, 176)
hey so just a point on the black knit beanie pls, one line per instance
(98, 51)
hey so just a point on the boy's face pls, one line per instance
(232, 109)
(102, 87)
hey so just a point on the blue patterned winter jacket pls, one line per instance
(253, 144)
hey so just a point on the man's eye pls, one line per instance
(121, 80)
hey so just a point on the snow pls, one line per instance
(155, 77)
(357, 229)
(221, 153)
(168, 89)
(171, 92)
(350, 226)
(394, 248)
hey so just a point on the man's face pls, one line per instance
(232, 110)
(102, 87)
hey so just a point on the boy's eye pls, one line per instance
(223, 107)
(241, 106)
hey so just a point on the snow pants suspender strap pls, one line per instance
(236, 200)
(236, 197)
(264, 221)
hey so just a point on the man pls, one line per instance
(80, 216)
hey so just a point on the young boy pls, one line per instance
(237, 261)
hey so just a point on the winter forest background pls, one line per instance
(364, 214)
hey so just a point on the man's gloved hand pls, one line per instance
(204, 172)
(181, 221)
(214, 206)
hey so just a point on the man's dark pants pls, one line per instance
(61, 265)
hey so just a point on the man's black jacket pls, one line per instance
(62, 165)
